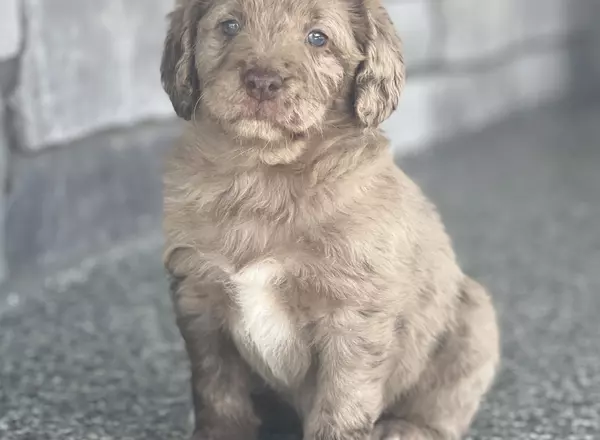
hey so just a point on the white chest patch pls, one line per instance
(267, 334)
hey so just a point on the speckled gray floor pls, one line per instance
(92, 353)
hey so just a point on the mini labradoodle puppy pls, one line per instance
(306, 267)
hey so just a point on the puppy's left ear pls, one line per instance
(380, 77)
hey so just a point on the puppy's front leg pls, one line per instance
(349, 391)
(220, 379)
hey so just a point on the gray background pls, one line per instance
(499, 123)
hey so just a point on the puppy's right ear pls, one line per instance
(177, 70)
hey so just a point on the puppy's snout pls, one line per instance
(263, 85)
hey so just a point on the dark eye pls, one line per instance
(230, 27)
(317, 38)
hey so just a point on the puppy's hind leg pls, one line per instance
(442, 404)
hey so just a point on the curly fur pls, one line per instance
(309, 268)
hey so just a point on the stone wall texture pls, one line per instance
(10, 28)
(472, 62)
(88, 65)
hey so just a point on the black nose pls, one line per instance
(261, 84)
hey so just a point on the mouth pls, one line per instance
(274, 114)
(286, 116)
(266, 120)
(268, 111)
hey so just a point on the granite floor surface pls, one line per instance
(91, 352)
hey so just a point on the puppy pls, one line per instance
(305, 266)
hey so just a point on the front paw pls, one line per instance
(398, 429)
(224, 433)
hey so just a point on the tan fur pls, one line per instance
(303, 261)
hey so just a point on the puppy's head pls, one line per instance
(273, 69)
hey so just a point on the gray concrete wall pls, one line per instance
(88, 65)
(472, 62)
(70, 70)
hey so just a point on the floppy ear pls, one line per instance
(380, 77)
(177, 70)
